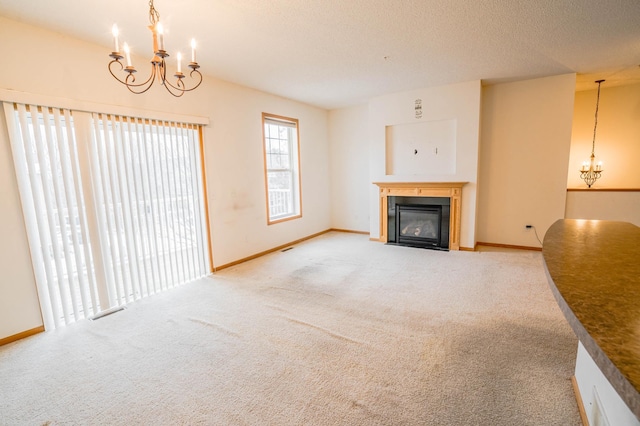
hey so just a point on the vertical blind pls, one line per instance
(113, 206)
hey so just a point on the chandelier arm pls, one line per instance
(180, 84)
(590, 176)
(149, 80)
(129, 81)
(149, 83)
(170, 88)
(121, 69)
(162, 71)
(162, 78)
(199, 82)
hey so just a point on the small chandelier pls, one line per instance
(158, 64)
(590, 171)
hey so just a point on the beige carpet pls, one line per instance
(336, 331)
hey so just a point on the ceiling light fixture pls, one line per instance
(158, 64)
(590, 171)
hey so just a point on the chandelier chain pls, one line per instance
(154, 15)
(593, 144)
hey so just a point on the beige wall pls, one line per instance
(524, 152)
(604, 205)
(349, 138)
(47, 63)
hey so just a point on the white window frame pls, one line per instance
(282, 205)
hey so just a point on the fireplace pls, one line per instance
(419, 222)
(445, 194)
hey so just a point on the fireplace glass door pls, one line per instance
(418, 225)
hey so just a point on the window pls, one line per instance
(282, 168)
(114, 207)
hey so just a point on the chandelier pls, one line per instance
(158, 63)
(590, 171)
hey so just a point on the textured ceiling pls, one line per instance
(335, 53)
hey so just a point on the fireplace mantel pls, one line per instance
(452, 190)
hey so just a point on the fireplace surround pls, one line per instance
(447, 194)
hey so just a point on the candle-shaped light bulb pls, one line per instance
(115, 32)
(127, 54)
(599, 165)
(160, 31)
(193, 50)
(179, 62)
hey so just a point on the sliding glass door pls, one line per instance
(114, 207)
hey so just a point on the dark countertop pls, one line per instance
(593, 267)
